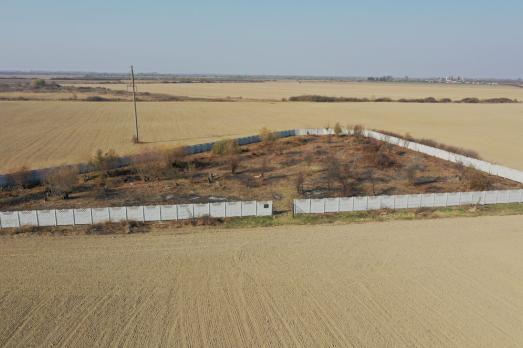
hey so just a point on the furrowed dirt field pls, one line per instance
(445, 283)
(285, 89)
(44, 133)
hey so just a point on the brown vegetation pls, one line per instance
(61, 181)
(468, 100)
(308, 166)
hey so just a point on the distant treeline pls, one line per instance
(326, 99)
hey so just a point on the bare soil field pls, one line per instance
(284, 89)
(40, 134)
(445, 283)
(336, 166)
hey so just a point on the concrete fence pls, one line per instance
(486, 167)
(490, 168)
(428, 200)
(38, 175)
(91, 216)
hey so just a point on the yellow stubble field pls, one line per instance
(45, 133)
(276, 90)
(444, 283)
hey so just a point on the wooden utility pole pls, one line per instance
(135, 111)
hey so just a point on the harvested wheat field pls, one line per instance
(276, 90)
(450, 283)
(39, 133)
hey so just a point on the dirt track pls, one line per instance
(446, 283)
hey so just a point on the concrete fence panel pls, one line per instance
(401, 202)
(414, 201)
(453, 199)
(346, 204)
(152, 213)
(360, 203)
(82, 216)
(64, 217)
(201, 210)
(9, 219)
(117, 214)
(491, 197)
(495, 169)
(466, 198)
(46, 218)
(515, 196)
(478, 197)
(100, 215)
(503, 197)
(233, 209)
(427, 200)
(440, 200)
(332, 205)
(28, 218)
(217, 209)
(387, 202)
(135, 213)
(249, 208)
(374, 203)
(264, 208)
(169, 212)
(302, 206)
(483, 166)
(185, 211)
(317, 206)
(413, 146)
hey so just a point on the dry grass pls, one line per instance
(404, 283)
(340, 166)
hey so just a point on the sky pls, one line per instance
(477, 39)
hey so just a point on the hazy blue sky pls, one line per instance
(477, 38)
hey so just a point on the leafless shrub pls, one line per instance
(268, 136)
(337, 129)
(234, 163)
(265, 166)
(370, 175)
(299, 183)
(333, 170)
(476, 181)
(149, 166)
(175, 160)
(61, 181)
(412, 172)
(226, 147)
(357, 130)
(105, 161)
(382, 158)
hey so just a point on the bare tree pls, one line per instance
(299, 182)
(412, 172)
(333, 170)
(61, 181)
(337, 129)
